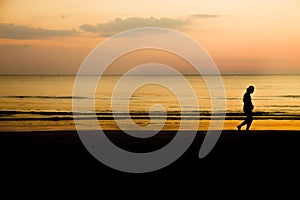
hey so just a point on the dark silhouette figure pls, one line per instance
(248, 107)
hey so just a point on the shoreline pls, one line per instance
(229, 125)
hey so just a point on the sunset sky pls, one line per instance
(53, 37)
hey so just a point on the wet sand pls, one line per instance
(56, 161)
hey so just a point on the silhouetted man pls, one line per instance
(248, 107)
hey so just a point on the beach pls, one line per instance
(52, 161)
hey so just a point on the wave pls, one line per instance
(17, 112)
(44, 97)
(282, 106)
(83, 97)
(8, 115)
(145, 118)
(277, 96)
(290, 96)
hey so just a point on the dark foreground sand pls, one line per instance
(56, 161)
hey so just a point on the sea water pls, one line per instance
(45, 103)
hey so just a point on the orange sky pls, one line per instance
(53, 37)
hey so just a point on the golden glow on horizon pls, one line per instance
(243, 36)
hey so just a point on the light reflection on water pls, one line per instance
(45, 102)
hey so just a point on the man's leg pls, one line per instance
(241, 125)
(249, 121)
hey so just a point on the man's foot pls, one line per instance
(239, 128)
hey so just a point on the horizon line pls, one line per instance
(226, 74)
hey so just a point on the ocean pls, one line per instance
(35, 103)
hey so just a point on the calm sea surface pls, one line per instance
(45, 102)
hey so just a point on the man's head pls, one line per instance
(250, 89)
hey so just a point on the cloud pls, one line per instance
(12, 31)
(201, 16)
(118, 25)
(14, 45)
